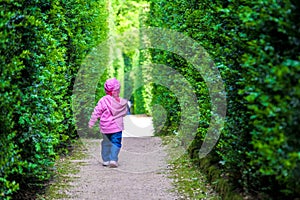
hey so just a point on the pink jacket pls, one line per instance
(111, 113)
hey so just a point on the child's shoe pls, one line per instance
(113, 164)
(105, 163)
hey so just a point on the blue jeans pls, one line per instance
(111, 146)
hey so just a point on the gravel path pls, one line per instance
(142, 172)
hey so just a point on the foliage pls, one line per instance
(126, 21)
(255, 46)
(42, 45)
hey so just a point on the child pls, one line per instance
(110, 109)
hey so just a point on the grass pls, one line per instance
(196, 181)
(190, 182)
(66, 169)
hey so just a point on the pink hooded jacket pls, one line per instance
(110, 110)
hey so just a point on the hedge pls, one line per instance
(255, 46)
(42, 45)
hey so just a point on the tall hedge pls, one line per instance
(42, 45)
(255, 46)
(126, 19)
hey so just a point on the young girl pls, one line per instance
(110, 109)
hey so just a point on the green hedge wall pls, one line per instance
(42, 45)
(128, 21)
(255, 46)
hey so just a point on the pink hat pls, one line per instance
(111, 84)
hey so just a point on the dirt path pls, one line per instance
(142, 172)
